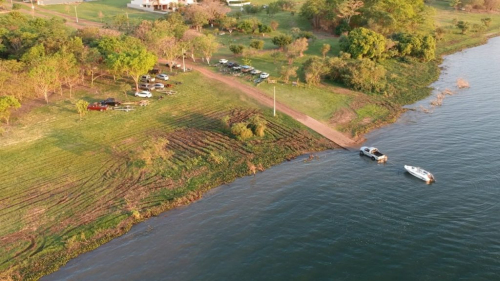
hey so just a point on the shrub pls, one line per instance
(257, 125)
(237, 49)
(363, 43)
(423, 47)
(282, 40)
(464, 26)
(257, 44)
(306, 34)
(486, 21)
(16, 6)
(361, 74)
(241, 131)
(342, 27)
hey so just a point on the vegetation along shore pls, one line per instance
(73, 179)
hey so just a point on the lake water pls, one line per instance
(342, 216)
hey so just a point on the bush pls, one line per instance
(257, 44)
(236, 49)
(423, 47)
(363, 43)
(257, 125)
(16, 6)
(360, 74)
(306, 34)
(342, 27)
(241, 131)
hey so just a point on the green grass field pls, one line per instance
(109, 8)
(70, 185)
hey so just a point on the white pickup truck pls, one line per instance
(373, 153)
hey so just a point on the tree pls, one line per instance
(257, 44)
(325, 49)
(228, 23)
(68, 69)
(491, 4)
(7, 103)
(44, 76)
(288, 71)
(299, 46)
(387, 17)
(245, 26)
(273, 8)
(133, 62)
(318, 12)
(197, 15)
(314, 68)
(455, 4)
(81, 108)
(464, 26)
(207, 44)
(170, 49)
(264, 29)
(236, 49)
(274, 25)
(362, 42)
(215, 9)
(282, 40)
(349, 8)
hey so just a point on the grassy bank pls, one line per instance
(70, 185)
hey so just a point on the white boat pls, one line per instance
(420, 173)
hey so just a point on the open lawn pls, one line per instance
(69, 185)
(109, 8)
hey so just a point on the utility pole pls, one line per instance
(32, 9)
(183, 64)
(76, 14)
(274, 108)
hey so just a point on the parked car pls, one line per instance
(159, 86)
(97, 106)
(237, 67)
(174, 65)
(162, 76)
(143, 94)
(255, 71)
(147, 78)
(246, 68)
(230, 64)
(222, 61)
(264, 75)
(110, 102)
(154, 71)
(145, 86)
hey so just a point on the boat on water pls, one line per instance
(420, 173)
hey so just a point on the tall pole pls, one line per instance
(76, 14)
(274, 108)
(32, 9)
(183, 64)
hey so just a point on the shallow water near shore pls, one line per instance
(343, 216)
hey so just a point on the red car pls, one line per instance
(97, 106)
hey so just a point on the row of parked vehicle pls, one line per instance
(150, 85)
(244, 68)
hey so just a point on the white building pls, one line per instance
(237, 3)
(158, 5)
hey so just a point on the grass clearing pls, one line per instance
(49, 214)
(109, 8)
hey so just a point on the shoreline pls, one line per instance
(193, 196)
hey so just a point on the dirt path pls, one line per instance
(233, 82)
(259, 96)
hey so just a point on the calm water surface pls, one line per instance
(344, 217)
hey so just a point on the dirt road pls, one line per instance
(233, 82)
(259, 96)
